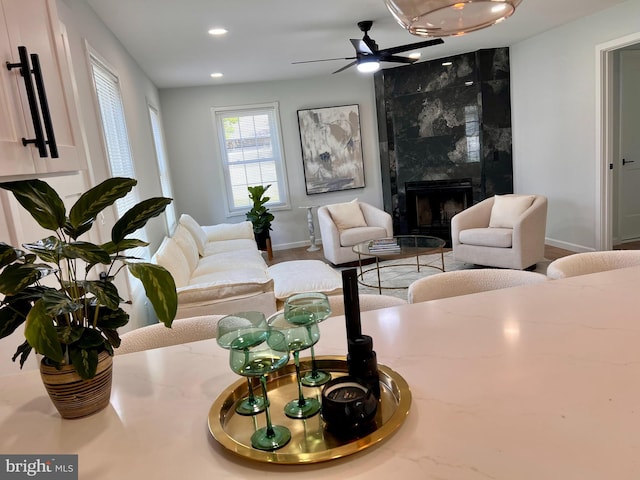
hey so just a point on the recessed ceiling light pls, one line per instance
(218, 31)
(414, 55)
(216, 75)
(447, 64)
(468, 84)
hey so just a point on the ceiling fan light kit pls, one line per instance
(442, 18)
(368, 65)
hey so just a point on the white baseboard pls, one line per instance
(567, 246)
(287, 246)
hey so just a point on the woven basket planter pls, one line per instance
(73, 396)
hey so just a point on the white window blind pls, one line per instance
(116, 138)
(163, 167)
(251, 151)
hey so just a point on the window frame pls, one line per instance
(132, 198)
(164, 172)
(217, 114)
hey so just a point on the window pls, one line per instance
(251, 151)
(116, 139)
(163, 167)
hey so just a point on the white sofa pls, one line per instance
(219, 270)
(343, 225)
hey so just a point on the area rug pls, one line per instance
(397, 275)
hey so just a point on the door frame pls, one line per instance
(605, 137)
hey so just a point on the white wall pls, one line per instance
(553, 91)
(194, 155)
(83, 26)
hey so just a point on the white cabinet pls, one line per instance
(34, 24)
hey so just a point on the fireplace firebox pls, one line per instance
(432, 204)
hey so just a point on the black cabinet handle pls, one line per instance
(25, 70)
(44, 106)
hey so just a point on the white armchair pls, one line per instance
(505, 231)
(343, 225)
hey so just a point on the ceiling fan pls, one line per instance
(369, 55)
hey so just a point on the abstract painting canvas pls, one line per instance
(331, 148)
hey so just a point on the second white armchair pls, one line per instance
(505, 231)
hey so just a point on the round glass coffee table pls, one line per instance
(397, 247)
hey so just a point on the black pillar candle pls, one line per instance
(351, 303)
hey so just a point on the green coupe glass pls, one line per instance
(297, 338)
(259, 360)
(307, 309)
(242, 331)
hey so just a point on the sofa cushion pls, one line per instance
(170, 256)
(350, 237)
(231, 277)
(347, 215)
(222, 246)
(229, 231)
(196, 231)
(237, 260)
(301, 276)
(221, 286)
(507, 209)
(487, 237)
(187, 244)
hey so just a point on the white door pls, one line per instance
(629, 166)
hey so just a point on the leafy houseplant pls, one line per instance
(73, 322)
(259, 215)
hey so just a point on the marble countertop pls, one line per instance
(533, 382)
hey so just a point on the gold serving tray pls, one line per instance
(310, 441)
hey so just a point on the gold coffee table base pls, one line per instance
(410, 246)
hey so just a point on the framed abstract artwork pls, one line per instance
(331, 148)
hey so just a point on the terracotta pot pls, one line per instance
(73, 396)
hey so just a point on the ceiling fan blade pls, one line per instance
(412, 46)
(324, 60)
(345, 67)
(370, 42)
(397, 59)
(360, 46)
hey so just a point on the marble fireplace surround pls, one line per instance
(444, 122)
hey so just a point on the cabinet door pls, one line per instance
(35, 25)
(15, 159)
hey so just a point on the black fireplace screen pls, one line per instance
(432, 204)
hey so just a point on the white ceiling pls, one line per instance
(169, 39)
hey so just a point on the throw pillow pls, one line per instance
(229, 231)
(507, 209)
(196, 230)
(347, 215)
(188, 245)
(171, 257)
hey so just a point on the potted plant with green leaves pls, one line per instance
(62, 289)
(259, 215)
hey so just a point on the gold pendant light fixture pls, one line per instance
(442, 18)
